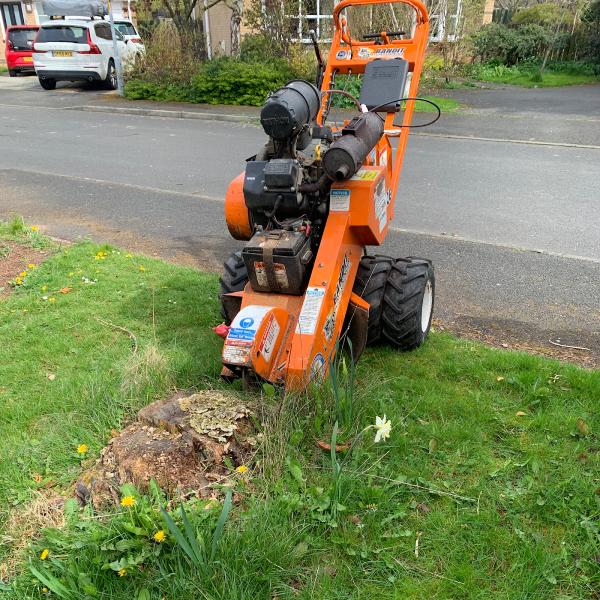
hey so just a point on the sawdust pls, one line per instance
(214, 414)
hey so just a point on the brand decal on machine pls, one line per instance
(311, 308)
(381, 52)
(337, 296)
(339, 200)
(343, 54)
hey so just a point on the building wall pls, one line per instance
(30, 17)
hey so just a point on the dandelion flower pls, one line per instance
(45, 590)
(129, 256)
(383, 428)
(122, 572)
(128, 501)
(159, 536)
(44, 554)
(31, 266)
(82, 449)
(52, 299)
(23, 274)
(18, 281)
(44, 288)
(35, 228)
(142, 268)
(242, 469)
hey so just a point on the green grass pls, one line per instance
(504, 505)
(530, 76)
(3, 69)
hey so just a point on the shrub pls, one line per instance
(219, 81)
(547, 14)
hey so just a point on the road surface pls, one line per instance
(512, 227)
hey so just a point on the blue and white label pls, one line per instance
(339, 200)
(246, 323)
(311, 309)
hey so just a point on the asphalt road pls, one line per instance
(512, 227)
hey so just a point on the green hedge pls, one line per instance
(220, 81)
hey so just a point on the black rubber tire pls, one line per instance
(12, 72)
(48, 84)
(234, 279)
(110, 82)
(403, 303)
(370, 285)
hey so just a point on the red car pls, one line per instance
(19, 46)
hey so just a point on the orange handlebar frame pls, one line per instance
(349, 56)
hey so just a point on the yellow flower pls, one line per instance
(159, 536)
(122, 572)
(142, 268)
(18, 281)
(23, 274)
(128, 501)
(44, 554)
(242, 469)
(129, 256)
(82, 449)
(383, 428)
(34, 228)
(44, 288)
(45, 590)
(31, 266)
(52, 299)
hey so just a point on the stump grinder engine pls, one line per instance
(310, 202)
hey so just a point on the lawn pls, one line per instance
(530, 76)
(488, 486)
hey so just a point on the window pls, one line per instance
(313, 14)
(125, 28)
(62, 33)
(22, 39)
(103, 31)
(12, 14)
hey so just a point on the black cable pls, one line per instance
(416, 98)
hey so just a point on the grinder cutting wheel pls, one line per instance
(310, 202)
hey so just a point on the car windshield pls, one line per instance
(125, 28)
(22, 39)
(63, 33)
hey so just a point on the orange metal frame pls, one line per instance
(296, 336)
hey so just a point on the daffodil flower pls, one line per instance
(382, 428)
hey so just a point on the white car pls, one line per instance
(78, 50)
(130, 33)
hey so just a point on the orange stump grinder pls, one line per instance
(310, 202)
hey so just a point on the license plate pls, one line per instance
(27, 59)
(62, 53)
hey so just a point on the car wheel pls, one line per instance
(48, 84)
(110, 83)
(12, 73)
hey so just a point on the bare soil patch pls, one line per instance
(14, 258)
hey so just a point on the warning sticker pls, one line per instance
(339, 200)
(270, 338)
(246, 323)
(382, 199)
(365, 175)
(236, 355)
(311, 308)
